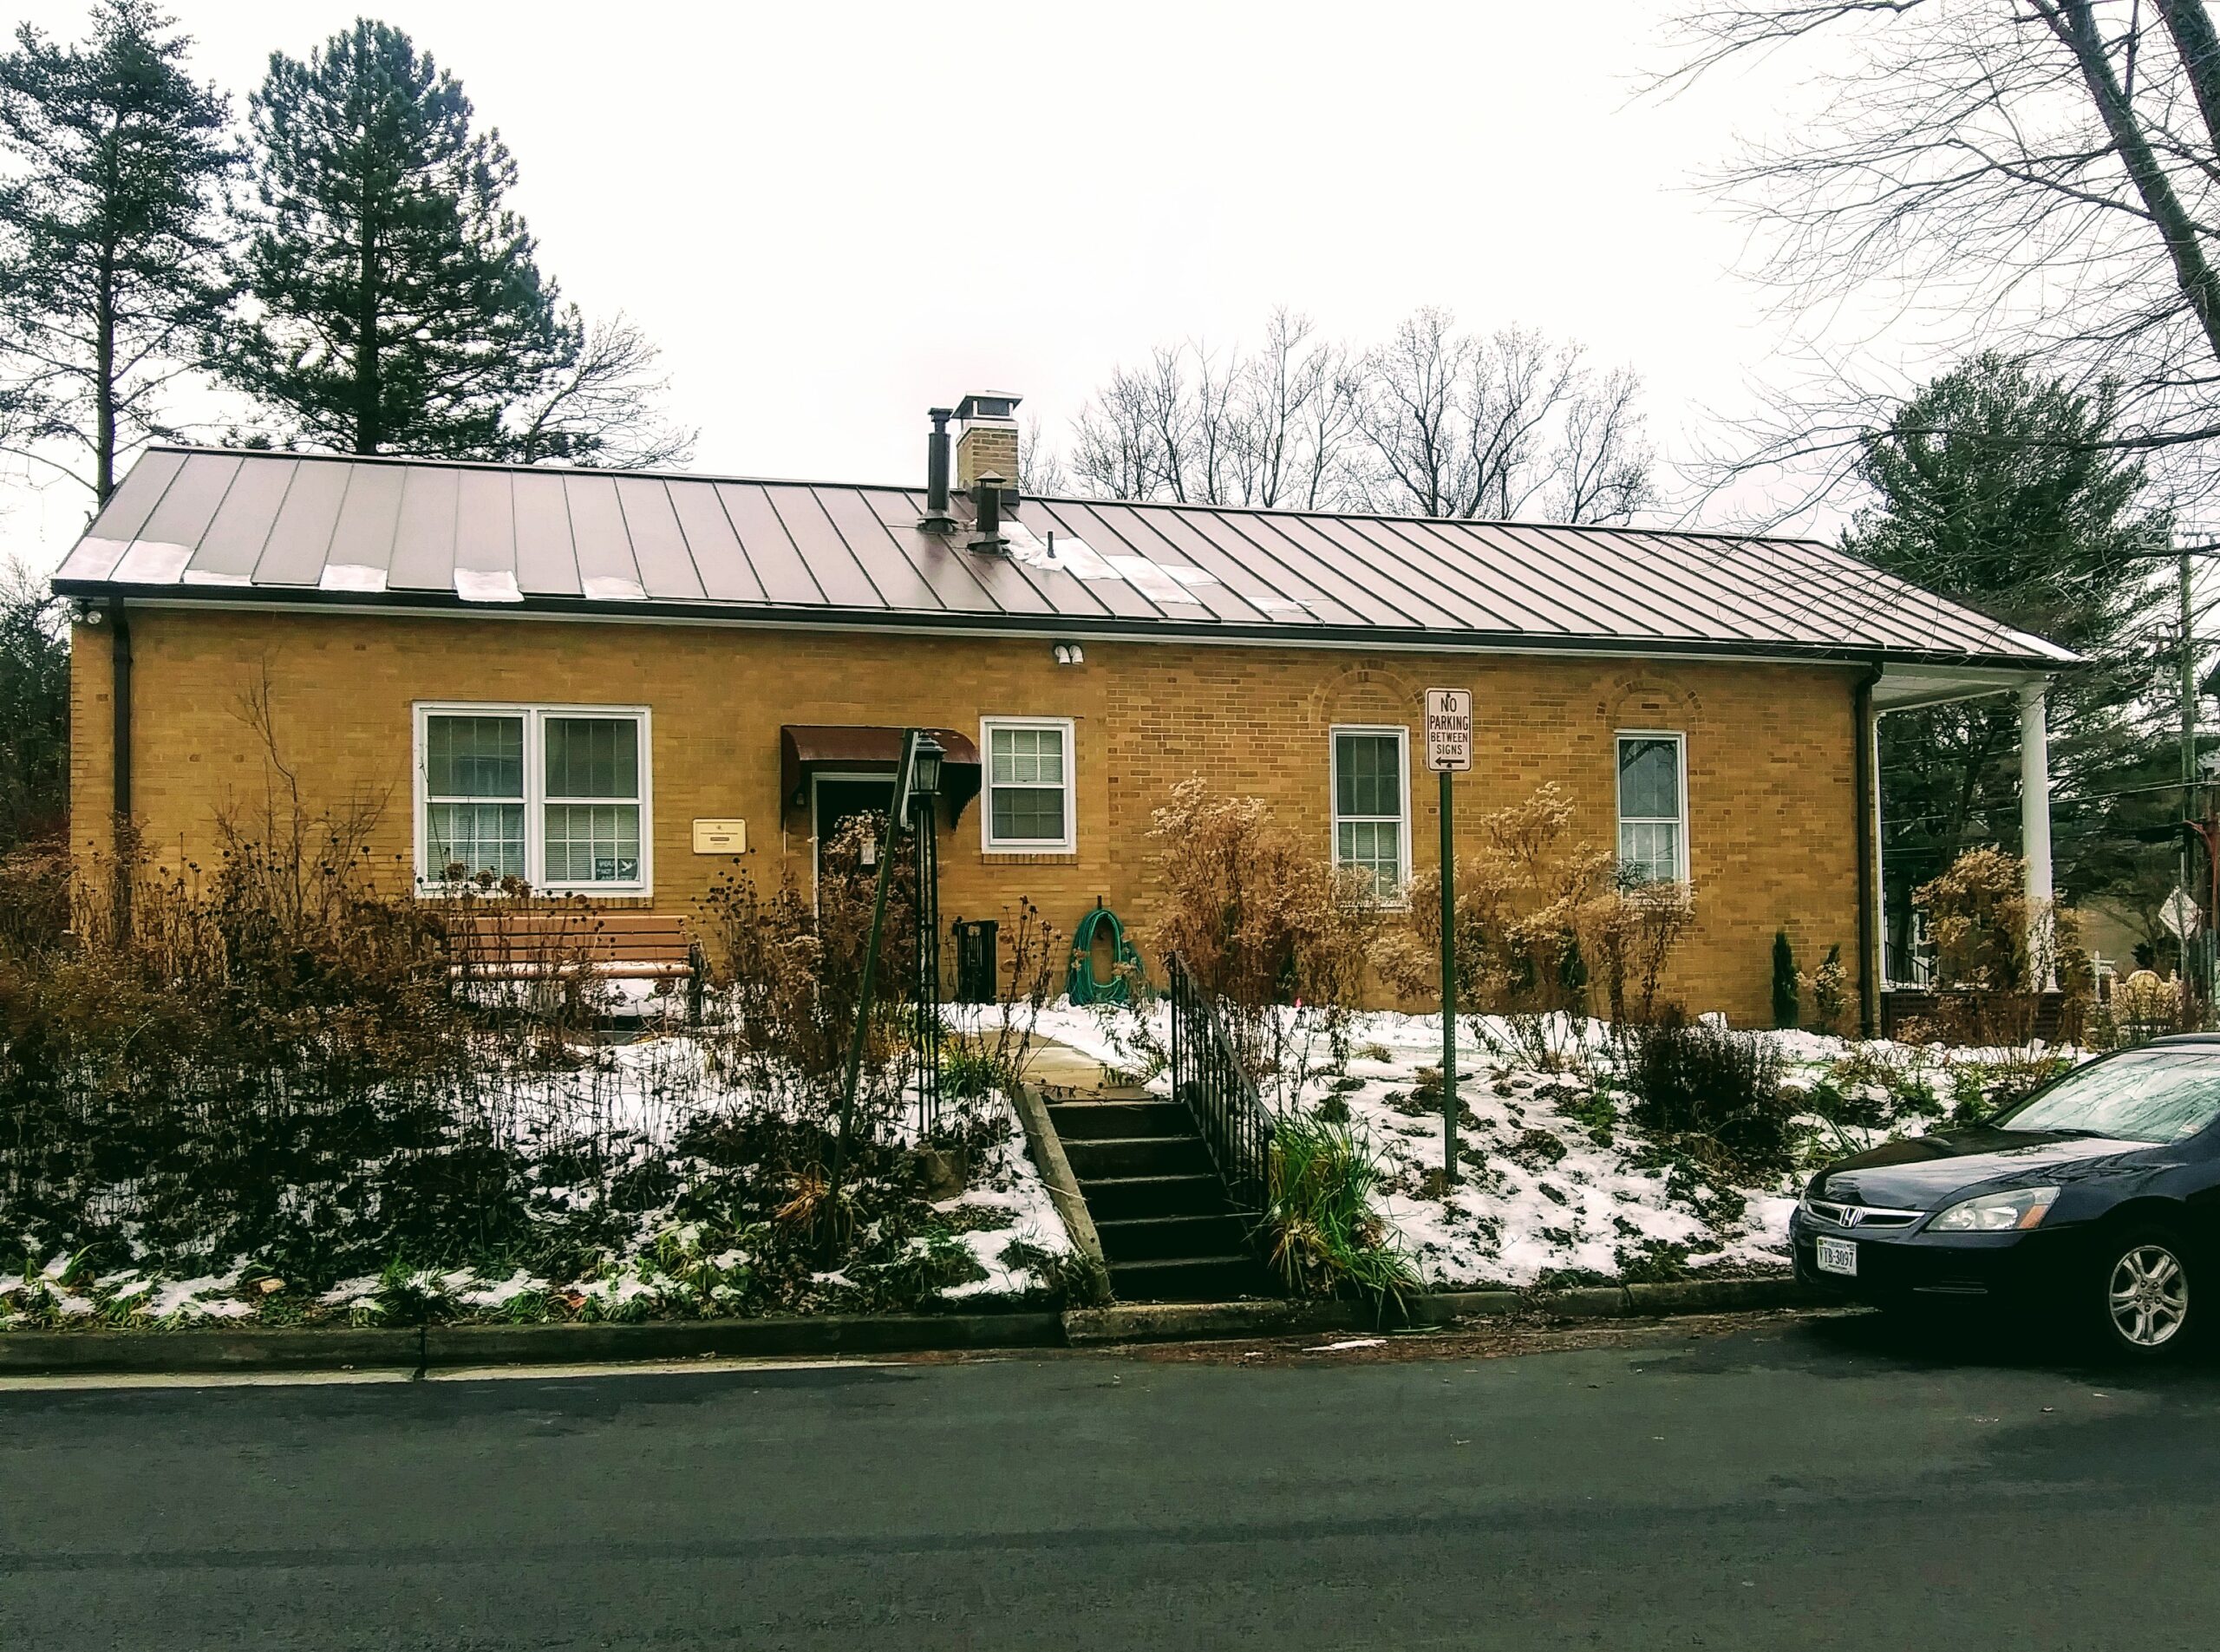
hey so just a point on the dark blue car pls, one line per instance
(2096, 1201)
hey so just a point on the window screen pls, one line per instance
(1369, 805)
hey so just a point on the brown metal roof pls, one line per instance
(409, 533)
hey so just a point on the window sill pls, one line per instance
(1044, 857)
(426, 890)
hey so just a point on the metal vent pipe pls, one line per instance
(937, 519)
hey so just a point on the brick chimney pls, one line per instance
(987, 443)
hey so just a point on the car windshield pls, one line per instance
(2142, 1095)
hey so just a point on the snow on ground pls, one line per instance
(633, 1101)
(1012, 1184)
(1552, 1185)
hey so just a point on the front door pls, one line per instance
(837, 799)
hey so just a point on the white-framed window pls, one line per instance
(1654, 805)
(1031, 802)
(557, 795)
(1372, 805)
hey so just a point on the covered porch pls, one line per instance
(1897, 977)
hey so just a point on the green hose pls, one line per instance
(1126, 962)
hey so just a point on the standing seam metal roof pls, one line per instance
(403, 533)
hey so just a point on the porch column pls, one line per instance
(2034, 816)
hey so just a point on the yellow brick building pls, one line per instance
(583, 678)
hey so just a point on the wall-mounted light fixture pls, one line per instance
(1069, 654)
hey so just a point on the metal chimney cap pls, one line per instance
(988, 404)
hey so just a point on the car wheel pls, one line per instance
(2144, 1277)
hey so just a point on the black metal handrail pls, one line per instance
(1207, 1077)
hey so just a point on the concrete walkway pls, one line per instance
(1059, 1067)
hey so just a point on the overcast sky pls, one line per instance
(832, 216)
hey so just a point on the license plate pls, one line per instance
(1837, 1256)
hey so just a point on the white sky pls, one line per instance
(832, 216)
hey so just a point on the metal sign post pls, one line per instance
(1448, 751)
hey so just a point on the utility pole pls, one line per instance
(2193, 983)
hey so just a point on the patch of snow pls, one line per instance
(152, 561)
(182, 1297)
(519, 1283)
(351, 575)
(487, 585)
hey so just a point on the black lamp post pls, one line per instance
(917, 778)
(925, 759)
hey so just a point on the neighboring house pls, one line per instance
(559, 673)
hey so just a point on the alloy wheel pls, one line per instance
(2149, 1296)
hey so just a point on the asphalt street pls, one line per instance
(1810, 1483)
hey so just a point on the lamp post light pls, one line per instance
(916, 782)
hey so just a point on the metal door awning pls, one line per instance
(860, 748)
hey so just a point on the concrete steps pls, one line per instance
(1167, 1231)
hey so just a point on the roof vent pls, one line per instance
(937, 519)
(987, 494)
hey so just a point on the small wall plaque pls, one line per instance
(721, 837)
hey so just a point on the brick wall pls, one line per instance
(1769, 748)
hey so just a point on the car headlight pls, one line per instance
(2023, 1207)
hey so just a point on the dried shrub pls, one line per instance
(1828, 988)
(36, 899)
(1543, 922)
(789, 976)
(1275, 933)
(1996, 953)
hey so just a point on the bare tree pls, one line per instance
(2041, 176)
(1433, 422)
(1273, 428)
(1040, 467)
(1603, 468)
(600, 409)
(1467, 426)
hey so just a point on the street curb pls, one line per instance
(1197, 1321)
(459, 1346)
(453, 1346)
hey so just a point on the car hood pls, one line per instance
(1925, 1171)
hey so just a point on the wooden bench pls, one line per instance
(652, 947)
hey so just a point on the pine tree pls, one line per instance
(1787, 1010)
(110, 235)
(2002, 489)
(395, 304)
(34, 710)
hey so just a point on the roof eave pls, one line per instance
(913, 622)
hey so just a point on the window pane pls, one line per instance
(1651, 849)
(475, 838)
(1368, 776)
(473, 756)
(1650, 780)
(1376, 846)
(1029, 815)
(1026, 756)
(593, 757)
(593, 843)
